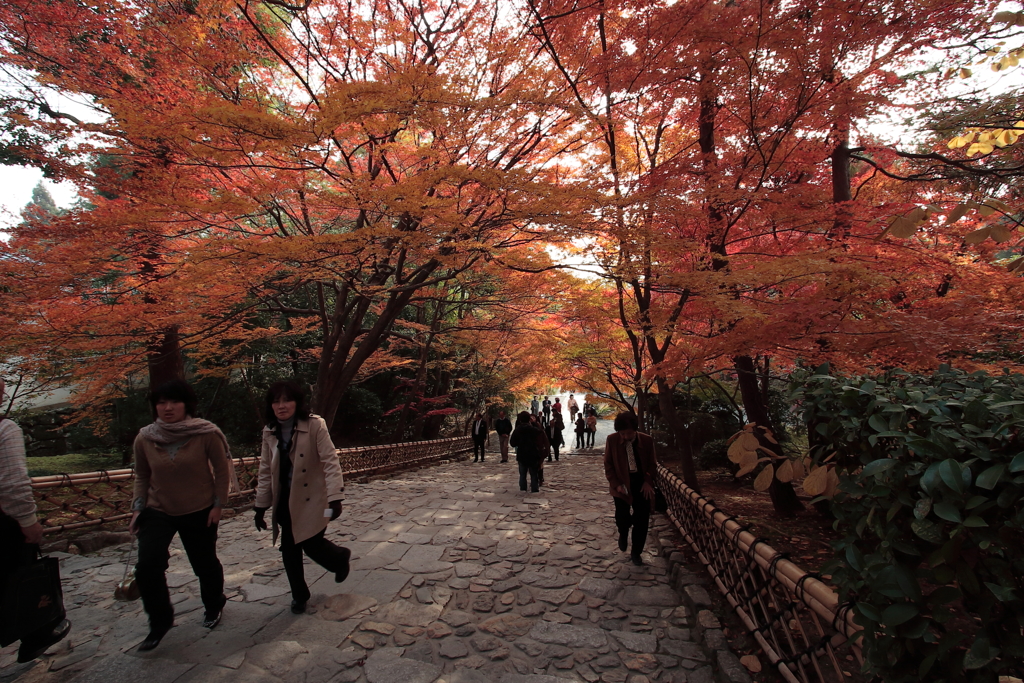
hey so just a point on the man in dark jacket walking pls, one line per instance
(503, 426)
(630, 467)
(527, 439)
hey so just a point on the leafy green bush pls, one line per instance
(931, 475)
(714, 455)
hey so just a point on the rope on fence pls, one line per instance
(795, 618)
(75, 501)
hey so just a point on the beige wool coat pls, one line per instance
(316, 477)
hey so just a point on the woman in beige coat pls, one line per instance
(300, 477)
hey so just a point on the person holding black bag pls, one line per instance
(20, 536)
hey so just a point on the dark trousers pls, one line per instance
(534, 470)
(579, 439)
(639, 520)
(156, 530)
(590, 439)
(319, 549)
(554, 447)
(14, 553)
(478, 447)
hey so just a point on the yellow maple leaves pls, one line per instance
(985, 141)
(820, 480)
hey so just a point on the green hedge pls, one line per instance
(930, 507)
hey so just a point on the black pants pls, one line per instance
(579, 439)
(555, 448)
(14, 553)
(156, 531)
(590, 438)
(319, 549)
(639, 520)
(478, 447)
(534, 470)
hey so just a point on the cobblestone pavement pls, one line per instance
(459, 577)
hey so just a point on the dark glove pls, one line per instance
(335, 506)
(261, 524)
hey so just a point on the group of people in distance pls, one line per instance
(547, 416)
(184, 474)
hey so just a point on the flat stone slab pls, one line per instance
(344, 606)
(507, 625)
(387, 666)
(564, 552)
(568, 635)
(126, 668)
(648, 596)
(598, 588)
(548, 578)
(479, 541)
(636, 642)
(465, 570)
(275, 658)
(254, 592)
(406, 613)
(512, 548)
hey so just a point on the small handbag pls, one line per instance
(127, 588)
(660, 503)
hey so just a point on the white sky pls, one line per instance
(16, 183)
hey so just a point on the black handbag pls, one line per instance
(660, 503)
(32, 599)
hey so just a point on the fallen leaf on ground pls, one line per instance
(752, 663)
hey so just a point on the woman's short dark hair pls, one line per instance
(175, 390)
(626, 420)
(523, 418)
(289, 390)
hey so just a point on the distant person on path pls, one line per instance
(527, 439)
(503, 426)
(591, 428)
(546, 409)
(478, 430)
(300, 477)
(630, 466)
(554, 434)
(581, 428)
(534, 406)
(573, 408)
(182, 474)
(20, 532)
(544, 446)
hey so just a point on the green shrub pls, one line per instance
(930, 505)
(714, 455)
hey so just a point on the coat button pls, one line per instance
(305, 484)
(307, 500)
(303, 470)
(300, 455)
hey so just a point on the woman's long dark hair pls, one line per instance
(289, 390)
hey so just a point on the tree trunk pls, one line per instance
(783, 495)
(668, 415)
(165, 360)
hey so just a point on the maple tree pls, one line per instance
(729, 218)
(274, 169)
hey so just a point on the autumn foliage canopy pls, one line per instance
(256, 171)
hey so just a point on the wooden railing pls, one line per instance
(795, 618)
(66, 502)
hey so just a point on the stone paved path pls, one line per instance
(460, 578)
